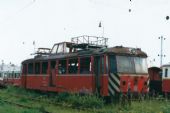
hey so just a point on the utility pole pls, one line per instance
(161, 52)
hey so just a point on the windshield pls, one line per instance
(131, 64)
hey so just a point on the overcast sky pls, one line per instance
(50, 21)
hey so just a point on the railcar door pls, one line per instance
(114, 79)
(53, 73)
(97, 72)
(53, 77)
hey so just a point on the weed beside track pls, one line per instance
(26, 101)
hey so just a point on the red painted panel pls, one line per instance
(13, 81)
(70, 83)
(104, 85)
(166, 85)
(37, 82)
(75, 83)
(128, 80)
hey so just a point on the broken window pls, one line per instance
(73, 66)
(37, 68)
(30, 68)
(85, 65)
(44, 67)
(54, 50)
(60, 48)
(62, 68)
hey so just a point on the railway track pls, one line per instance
(6, 100)
(24, 106)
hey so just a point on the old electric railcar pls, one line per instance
(87, 66)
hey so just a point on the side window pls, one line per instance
(37, 68)
(53, 63)
(30, 68)
(166, 72)
(85, 65)
(44, 67)
(62, 68)
(73, 66)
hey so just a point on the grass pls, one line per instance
(71, 103)
(7, 108)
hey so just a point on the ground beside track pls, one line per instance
(17, 100)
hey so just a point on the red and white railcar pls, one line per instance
(10, 74)
(166, 78)
(87, 66)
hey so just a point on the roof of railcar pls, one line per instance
(166, 65)
(127, 51)
(117, 50)
(154, 68)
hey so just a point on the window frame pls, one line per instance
(77, 63)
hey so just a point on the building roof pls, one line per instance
(9, 68)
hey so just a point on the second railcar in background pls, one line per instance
(10, 74)
(155, 76)
(87, 66)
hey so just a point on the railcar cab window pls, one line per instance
(62, 67)
(44, 67)
(30, 68)
(73, 66)
(140, 65)
(37, 68)
(129, 64)
(85, 65)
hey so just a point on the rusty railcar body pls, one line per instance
(85, 66)
(155, 76)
